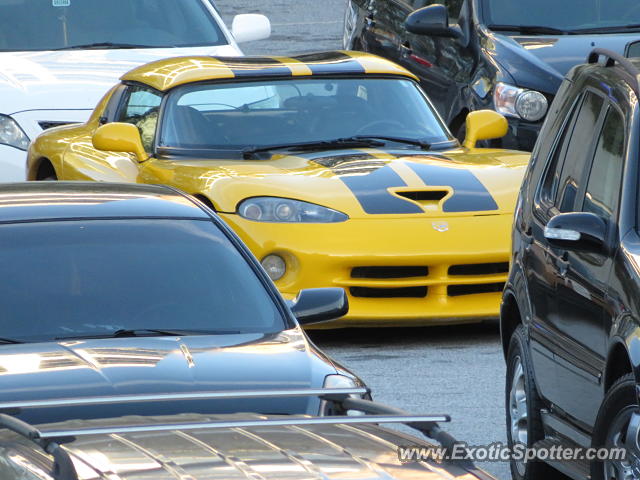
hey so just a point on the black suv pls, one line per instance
(570, 317)
(507, 55)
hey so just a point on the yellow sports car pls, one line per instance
(334, 168)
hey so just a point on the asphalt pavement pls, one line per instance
(457, 370)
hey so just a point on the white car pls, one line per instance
(59, 57)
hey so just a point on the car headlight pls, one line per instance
(519, 102)
(338, 381)
(285, 210)
(11, 134)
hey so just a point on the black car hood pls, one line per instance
(540, 62)
(148, 365)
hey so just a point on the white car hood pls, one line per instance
(75, 79)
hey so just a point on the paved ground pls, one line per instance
(456, 370)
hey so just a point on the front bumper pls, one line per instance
(521, 135)
(427, 276)
(13, 164)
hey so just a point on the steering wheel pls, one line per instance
(379, 123)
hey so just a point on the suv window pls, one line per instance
(577, 152)
(141, 109)
(604, 185)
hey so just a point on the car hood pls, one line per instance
(361, 183)
(147, 365)
(75, 79)
(540, 61)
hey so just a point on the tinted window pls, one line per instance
(577, 152)
(237, 115)
(564, 14)
(603, 188)
(141, 109)
(55, 24)
(95, 277)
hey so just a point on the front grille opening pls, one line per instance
(479, 269)
(389, 272)
(458, 290)
(425, 196)
(405, 292)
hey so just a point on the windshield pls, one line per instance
(234, 116)
(83, 278)
(58, 24)
(563, 14)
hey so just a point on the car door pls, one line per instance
(583, 276)
(443, 64)
(385, 26)
(136, 104)
(544, 264)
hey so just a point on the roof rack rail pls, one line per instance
(338, 393)
(342, 398)
(612, 59)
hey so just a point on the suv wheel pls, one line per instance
(523, 407)
(611, 431)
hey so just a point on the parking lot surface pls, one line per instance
(457, 370)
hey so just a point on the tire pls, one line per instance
(528, 429)
(610, 428)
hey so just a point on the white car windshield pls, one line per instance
(27, 25)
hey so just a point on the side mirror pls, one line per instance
(432, 20)
(632, 49)
(577, 231)
(248, 27)
(484, 125)
(119, 137)
(319, 305)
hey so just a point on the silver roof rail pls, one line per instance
(341, 393)
(342, 398)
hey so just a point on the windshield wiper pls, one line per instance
(149, 332)
(10, 340)
(106, 45)
(408, 141)
(530, 29)
(352, 142)
(610, 29)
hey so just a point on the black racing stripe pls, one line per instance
(369, 178)
(257, 67)
(469, 195)
(331, 62)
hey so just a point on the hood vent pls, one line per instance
(424, 195)
(46, 125)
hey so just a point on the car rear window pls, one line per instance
(93, 277)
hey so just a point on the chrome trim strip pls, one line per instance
(221, 424)
(166, 397)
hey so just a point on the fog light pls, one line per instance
(275, 266)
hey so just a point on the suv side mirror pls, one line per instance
(484, 125)
(578, 231)
(248, 27)
(632, 49)
(316, 305)
(119, 137)
(432, 20)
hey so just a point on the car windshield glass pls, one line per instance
(59, 24)
(567, 15)
(236, 116)
(82, 278)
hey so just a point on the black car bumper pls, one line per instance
(521, 135)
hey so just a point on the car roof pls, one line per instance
(291, 451)
(166, 74)
(37, 201)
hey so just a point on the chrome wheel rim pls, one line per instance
(518, 409)
(350, 22)
(620, 435)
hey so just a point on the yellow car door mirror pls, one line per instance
(119, 137)
(484, 125)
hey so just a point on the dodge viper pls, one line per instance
(333, 167)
